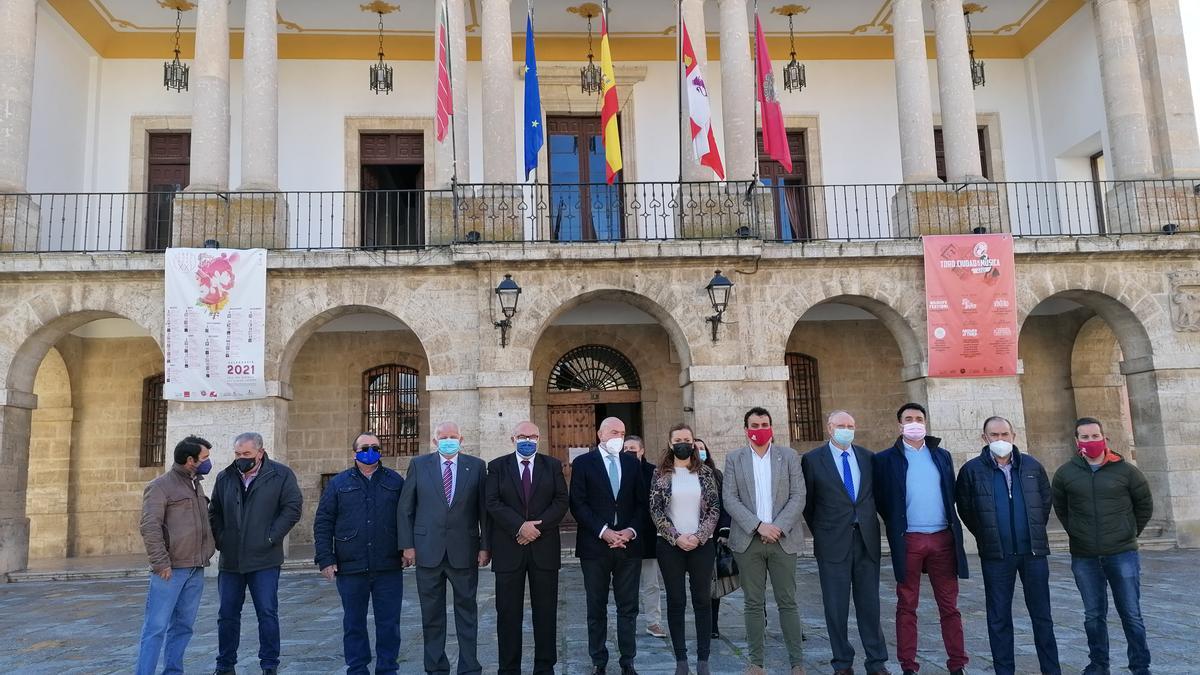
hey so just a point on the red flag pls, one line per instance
(774, 134)
(704, 142)
(445, 97)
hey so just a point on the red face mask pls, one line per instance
(1092, 449)
(759, 437)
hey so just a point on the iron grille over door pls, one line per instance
(804, 398)
(594, 368)
(153, 447)
(391, 409)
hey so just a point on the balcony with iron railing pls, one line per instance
(562, 214)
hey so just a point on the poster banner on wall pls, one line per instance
(970, 302)
(215, 324)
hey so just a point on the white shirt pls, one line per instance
(855, 471)
(685, 501)
(616, 459)
(521, 467)
(453, 471)
(764, 504)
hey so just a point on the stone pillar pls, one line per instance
(504, 400)
(16, 416)
(220, 421)
(260, 99)
(917, 156)
(454, 398)
(720, 396)
(18, 26)
(958, 406)
(737, 91)
(693, 16)
(959, 124)
(458, 85)
(210, 99)
(1124, 98)
(499, 126)
(1171, 89)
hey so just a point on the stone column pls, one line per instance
(16, 417)
(1171, 89)
(458, 84)
(720, 395)
(737, 91)
(504, 400)
(260, 99)
(1124, 98)
(18, 26)
(210, 99)
(959, 124)
(917, 157)
(693, 16)
(499, 126)
(220, 421)
(454, 398)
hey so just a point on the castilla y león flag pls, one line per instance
(704, 142)
(774, 135)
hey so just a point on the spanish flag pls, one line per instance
(609, 108)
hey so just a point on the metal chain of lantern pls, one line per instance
(381, 73)
(590, 78)
(175, 72)
(794, 75)
(978, 77)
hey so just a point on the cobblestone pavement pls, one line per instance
(92, 626)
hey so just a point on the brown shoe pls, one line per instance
(656, 630)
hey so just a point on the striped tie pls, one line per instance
(448, 482)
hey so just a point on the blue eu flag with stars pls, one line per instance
(533, 103)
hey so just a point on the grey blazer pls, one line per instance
(827, 507)
(787, 490)
(439, 531)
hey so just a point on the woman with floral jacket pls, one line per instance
(685, 506)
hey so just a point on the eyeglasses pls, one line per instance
(528, 438)
(368, 448)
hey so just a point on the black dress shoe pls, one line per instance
(960, 671)
(716, 634)
(270, 671)
(599, 670)
(910, 672)
(219, 671)
(628, 670)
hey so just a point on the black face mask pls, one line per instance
(245, 464)
(683, 450)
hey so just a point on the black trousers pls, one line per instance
(510, 613)
(697, 564)
(622, 573)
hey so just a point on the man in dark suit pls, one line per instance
(608, 500)
(442, 521)
(839, 507)
(526, 497)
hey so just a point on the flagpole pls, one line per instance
(453, 114)
(754, 177)
(537, 165)
(679, 80)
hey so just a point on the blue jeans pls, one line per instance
(170, 612)
(385, 591)
(264, 591)
(1122, 573)
(999, 583)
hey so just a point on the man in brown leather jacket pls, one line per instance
(179, 544)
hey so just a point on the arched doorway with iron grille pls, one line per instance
(586, 385)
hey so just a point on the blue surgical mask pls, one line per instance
(843, 437)
(368, 455)
(703, 455)
(449, 446)
(204, 467)
(526, 448)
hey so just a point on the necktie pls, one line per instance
(448, 482)
(526, 480)
(847, 477)
(613, 479)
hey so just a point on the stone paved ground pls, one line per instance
(92, 626)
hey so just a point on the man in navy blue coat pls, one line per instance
(608, 501)
(355, 536)
(914, 493)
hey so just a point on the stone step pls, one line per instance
(126, 572)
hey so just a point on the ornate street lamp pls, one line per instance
(590, 77)
(718, 294)
(175, 73)
(978, 77)
(794, 76)
(381, 73)
(508, 291)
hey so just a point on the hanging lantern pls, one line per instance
(794, 76)
(381, 73)
(590, 78)
(175, 72)
(978, 77)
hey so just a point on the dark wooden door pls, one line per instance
(791, 193)
(392, 181)
(168, 171)
(582, 206)
(939, 149)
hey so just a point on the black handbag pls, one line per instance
(726, 565)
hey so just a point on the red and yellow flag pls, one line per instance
(608, 110)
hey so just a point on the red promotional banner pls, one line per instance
(970, 302)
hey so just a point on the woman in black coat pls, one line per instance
(722, 523)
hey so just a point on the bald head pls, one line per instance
(611, 427)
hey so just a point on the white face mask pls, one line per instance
(1001, 448)
(613, 445)
(914, 431)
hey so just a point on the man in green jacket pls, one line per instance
(1104, 503)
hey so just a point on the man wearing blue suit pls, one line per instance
(443, 530)
(608, 499)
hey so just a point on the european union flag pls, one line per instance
(533, 103)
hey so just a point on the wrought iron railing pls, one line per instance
(485, 213)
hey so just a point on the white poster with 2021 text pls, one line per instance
(215, 324)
